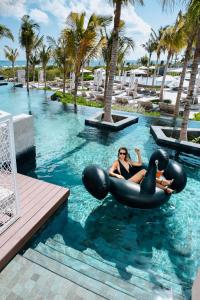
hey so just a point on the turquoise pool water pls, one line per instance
(164, 240)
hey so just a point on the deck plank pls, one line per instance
(39, 200)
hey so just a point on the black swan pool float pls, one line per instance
(145, 195)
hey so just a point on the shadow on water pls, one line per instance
(126, 237)
(131, 235)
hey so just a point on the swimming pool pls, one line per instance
(162, 241)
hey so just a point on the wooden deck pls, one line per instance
(38, 200)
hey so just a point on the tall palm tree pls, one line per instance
(11, 55)
(194, 18)
(156, 37)
(174, 40)
(193, 14)
(34, 61)
(61, 54)
(27, 40)
(84, 43)
(117, 15)
(191, 32)
(150, 46)
(45, 55)
(125, 44)
(5, 32)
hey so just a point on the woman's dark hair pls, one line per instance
(127, 157)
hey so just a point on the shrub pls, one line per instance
(168, 101)
(196, 140)
(69, 98)
(196, 116)
(88, 76)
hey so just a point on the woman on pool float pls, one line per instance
(125, 168)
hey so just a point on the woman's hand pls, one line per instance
(119, 176)
(137, 150)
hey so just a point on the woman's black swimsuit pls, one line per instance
(132, 170)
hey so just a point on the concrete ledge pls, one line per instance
(120, 122)
(161, 136)
(23, 133)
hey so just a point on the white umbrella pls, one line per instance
(143, 68)
(139, 72)
(123, 79)
(85, 71)
(152, 68)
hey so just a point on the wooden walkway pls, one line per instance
(39, 200)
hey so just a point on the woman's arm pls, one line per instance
(139, 162)
(113, 168)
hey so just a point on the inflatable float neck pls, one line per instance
(148, 185)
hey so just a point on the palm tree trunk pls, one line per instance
(75, 91)
(155, 71)
(190, 94)
(45, 78)
(149, 62)
(13, 71)
(27, 72)
(185, 64)
(33, 73)
(107, 111)
(64, 79)
(106, 82)
(164, 76)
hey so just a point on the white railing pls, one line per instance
(9, 200)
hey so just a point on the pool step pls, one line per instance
(92, 271)
(146, 280)
(50, 263)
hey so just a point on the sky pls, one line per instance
(51, 16)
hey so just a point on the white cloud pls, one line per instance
(57, 8)
(10, 8)
(39, 16)
(136, 27)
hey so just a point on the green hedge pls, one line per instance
(196, 140)
(88, 77)
(196, 116)
(69, 98)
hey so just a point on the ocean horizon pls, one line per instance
(22, 63)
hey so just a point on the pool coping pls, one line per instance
(125, 122)
(183, 146)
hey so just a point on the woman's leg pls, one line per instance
(137, 178)
(165, 188)
(164, 181)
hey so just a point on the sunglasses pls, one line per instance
(122, 153)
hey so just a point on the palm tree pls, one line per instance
(84, 43)
(191, 32)
(173, 39)
(117, 15)
(194, 18)
(27, 40)
(193, 15)
(34, 61)
(150, 46)
(156, 37)
(45, 55)
(5, 32)
(125, 44)
(60, 53)
(11, 55)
